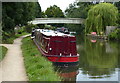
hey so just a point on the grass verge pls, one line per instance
(38, 68)
(10, 40)
(3, 51)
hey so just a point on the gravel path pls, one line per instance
(12, 66)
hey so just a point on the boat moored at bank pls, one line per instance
(56, 46)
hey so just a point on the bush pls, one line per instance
(29, 28)
(115, 34)
(8, 37)
(21, 30)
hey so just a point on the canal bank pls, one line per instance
(12, 66)
(38, 68)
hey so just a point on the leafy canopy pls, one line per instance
(15, 13)
(100, 16)
(54, 12)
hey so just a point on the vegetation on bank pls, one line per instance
(100, 16)
(77, 10)
(115, 35)
(117, 4)
(81, 9)
(38, 68)
(3, 51)
(10, 40)
(17, 14)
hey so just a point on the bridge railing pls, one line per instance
(57, 20)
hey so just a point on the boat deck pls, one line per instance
(52, 33)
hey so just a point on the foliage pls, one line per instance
(38, 68)
(117, 4)
(54, 12)
(3, 51)
(29, 28)
(43, 14)
(38, 11)
(17, 14)
(78, 28)
(100, 16)
(115, 35)
(77, 10)
(8, 39)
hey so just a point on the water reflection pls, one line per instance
(99, 59)
(68, 73)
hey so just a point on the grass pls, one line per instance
(38, 68)
(10, 40)
(3, 51)
(18, 35)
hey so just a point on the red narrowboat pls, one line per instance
(56, 46)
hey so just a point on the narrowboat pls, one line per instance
(56, 46)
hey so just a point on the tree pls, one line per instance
(100, 16)
(77, 10)
(117, 4)
(15, 13)
(38, 11)
(54, 12)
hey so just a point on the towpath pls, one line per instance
(12, 66)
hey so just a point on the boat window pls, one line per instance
(41, 37)
(57, 41)
(44, 44)
(42, 41)
(72, 41)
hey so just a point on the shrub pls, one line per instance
(115, 34)
(29, 28)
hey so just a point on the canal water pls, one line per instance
(99, 61)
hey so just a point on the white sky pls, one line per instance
(63, 4)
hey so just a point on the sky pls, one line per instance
(63, 4)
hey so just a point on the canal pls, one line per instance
(99, 61)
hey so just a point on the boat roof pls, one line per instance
(52, 33)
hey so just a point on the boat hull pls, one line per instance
(57, 58)
(63, 59)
